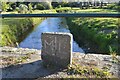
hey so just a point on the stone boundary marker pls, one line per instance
(57, 49)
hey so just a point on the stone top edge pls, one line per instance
(61, 33)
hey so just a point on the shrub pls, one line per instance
(30, 7)
(4, 6)
(17, 9)
(40, 7)
(47, 5)
(114, 6)
(59, 6)
(23, 8)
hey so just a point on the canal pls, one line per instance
(33, 40)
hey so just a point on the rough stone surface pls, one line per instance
(57, 49)
(33, 67)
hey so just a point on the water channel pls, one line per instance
(33, 40)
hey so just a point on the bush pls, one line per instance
(47, 5)
(40, 7)
(23, 8)
(113, 6)
(30, 7)
(55, 4)
(59, 6)
(43, 5)
(17, 9)
(4, 6)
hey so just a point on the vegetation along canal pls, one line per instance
(33, 40)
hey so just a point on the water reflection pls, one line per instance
(33, 40)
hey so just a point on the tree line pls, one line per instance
(23, 7)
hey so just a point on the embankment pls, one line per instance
(97, 35)
(15, 30)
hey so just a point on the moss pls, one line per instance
(87, 71)
(12, 60)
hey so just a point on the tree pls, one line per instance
(4, 6)
(94, 3)
(0, 5)
(30, 7)
(13, 5)
(47, 4)
(17, 9)
(101, 5)
(40, 6)
(44, 5)
(23, 8)
(0, 8)
(80, 5)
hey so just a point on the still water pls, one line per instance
(33, 40)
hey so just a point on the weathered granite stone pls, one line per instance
(57, 49)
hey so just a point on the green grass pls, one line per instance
(69, 10)
(102, 32)
(63, 8)
(12, 60)
(44, 11)
(33, 12)
(97, 10)
(13, 12)
(98, 33)
(90, 26)
(14, 30)
(84, 69)
(87, 71)
(78, 10)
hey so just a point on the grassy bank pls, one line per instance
(14, 30)
(78, 10)
(95, 34)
